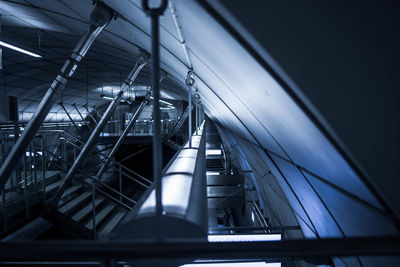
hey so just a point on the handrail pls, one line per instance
(91, 177)
(120, 171)
(110, 161)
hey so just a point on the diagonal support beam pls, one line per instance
(180, 123)
(99, 19)
(90, 114)
(88, 145)
(69, 117)
(80, 115)
(123, 135)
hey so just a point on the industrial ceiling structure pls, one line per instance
(303, 173)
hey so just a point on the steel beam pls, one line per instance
(124, 134)
(142, 60)
(90, 114)
(304, 249)
(99, 19)
(88, 145)
(80, 115)
(69, 116)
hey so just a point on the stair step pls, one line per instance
(69, 206)
(53, 186)
(71, 190)
(86, 210)
(100, 216)
(113, 222)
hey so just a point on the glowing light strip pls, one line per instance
(19, 49)
(212, 173)
(226, 264)
(244, 238)
(212, 152)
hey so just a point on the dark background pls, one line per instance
(344, 56)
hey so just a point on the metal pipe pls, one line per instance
(127, 129)
(154, 14)
(44, 169)
(4, 209)
(80, 115)
(190, 117)
(25, 186)
(99, 19)
(142, 60)
(86, 148)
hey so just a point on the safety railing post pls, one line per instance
(35, 165)
(120, 183)
(3, 194)
(26, 186)
(94, 208)
(44, 167)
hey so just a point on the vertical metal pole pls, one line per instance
(120, 183)
(25, 186)
(4, 209)
(94, 208)
(157, 149)
(35, 165)
(44, 167)
(190, 117)
(155, 67)
(197, 120)
(64, 155)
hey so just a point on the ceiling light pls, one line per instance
(107, 97)
(13, 47)
(244, 238)
(235, 264)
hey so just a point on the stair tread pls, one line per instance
(82, 213)
(53, 185)
(67, 207)
(100, 216)
(71, 190)
(113, 222)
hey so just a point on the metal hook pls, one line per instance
(154, 11)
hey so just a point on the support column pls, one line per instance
(99, 19)
(154, 14)
(86, 148)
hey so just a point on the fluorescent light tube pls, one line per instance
(244, 238)
(213, 152)
(234, 264)
(13, 47)
(107, 97)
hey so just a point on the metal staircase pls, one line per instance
(83, 214)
